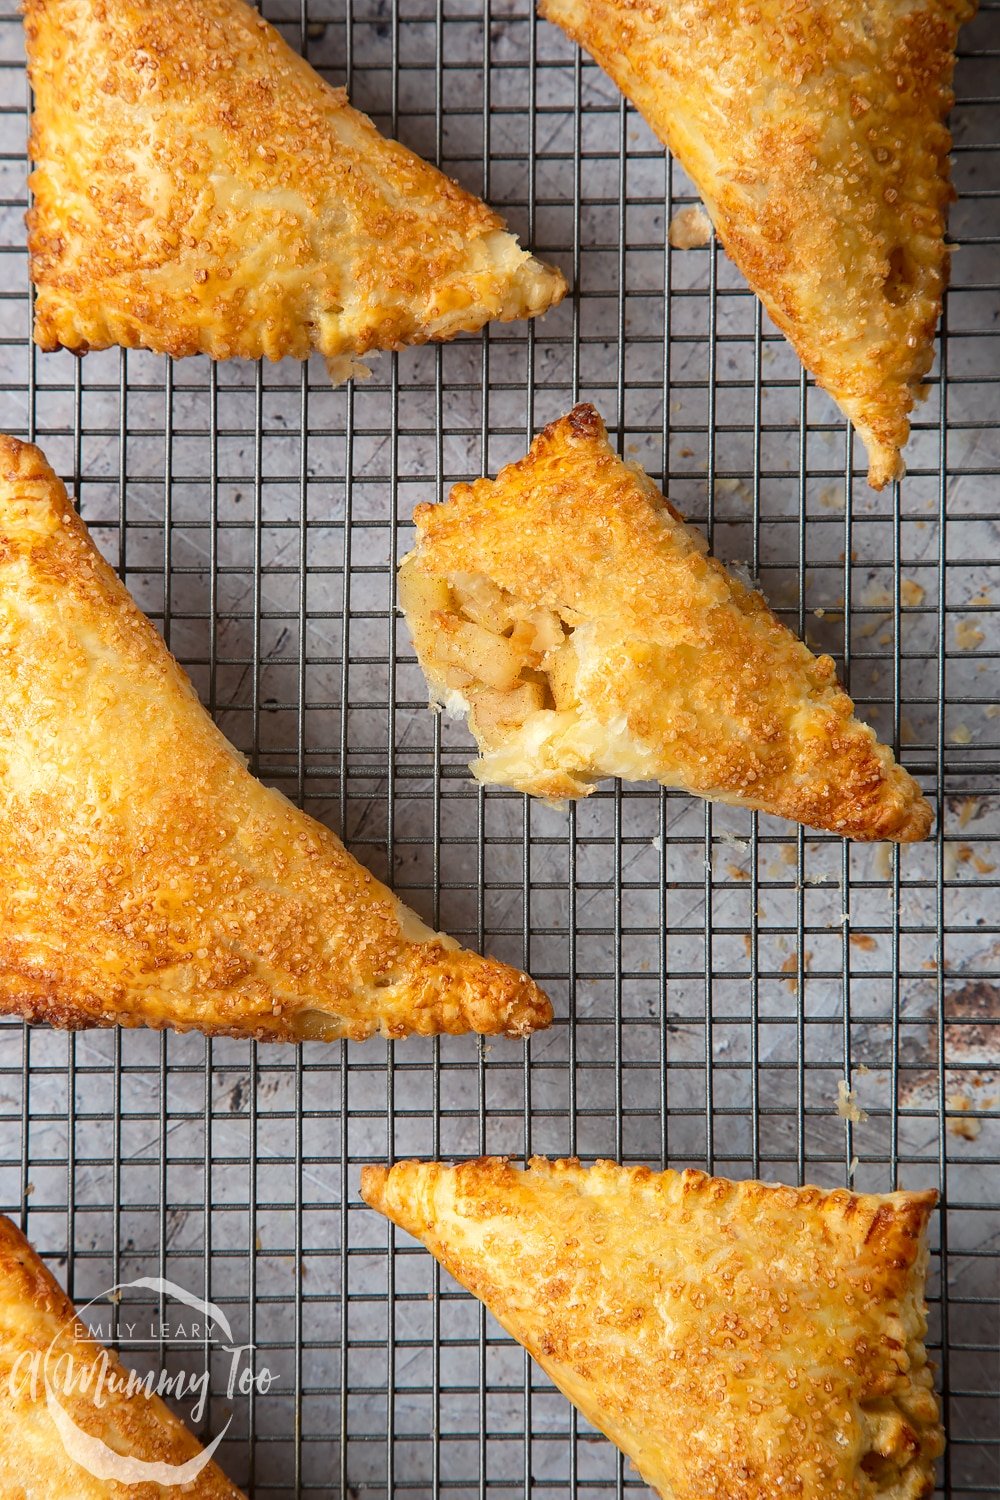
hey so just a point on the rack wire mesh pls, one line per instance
(715, 974)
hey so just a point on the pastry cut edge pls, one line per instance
(569, 611)
(815, 137)
(707, 1327)
(150, 879)
(198, 188)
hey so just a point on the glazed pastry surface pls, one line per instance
(40, 1334)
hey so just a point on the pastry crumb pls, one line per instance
(848, 1107)
(968, 636)
(964, 854)
(870, 627)
(341, 368)
(728, 486)
(790, 966)
(690, 228)
(968, 809)
(961, 1124)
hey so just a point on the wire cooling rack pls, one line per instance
(715, 975)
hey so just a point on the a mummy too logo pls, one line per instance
(149, 1318)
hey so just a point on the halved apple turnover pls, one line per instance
(568, 609)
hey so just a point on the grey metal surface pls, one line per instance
(714, 975)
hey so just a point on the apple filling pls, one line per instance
(486, 651)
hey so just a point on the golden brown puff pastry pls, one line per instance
(738, 1341)
(571, 611)
(40, 1333)
(199, 189)
(814, 133)
(148, 878)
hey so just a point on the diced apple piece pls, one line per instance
(522, 638)
(561, 667)
(538, 632)
(548, 627)
(421, 594)
(490, 658)
(492, 712)
(481, 601)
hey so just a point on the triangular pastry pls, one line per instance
(68, 1425)
(568, 608)
(815, 135)
(148, 878)
(198, 188)
(738, 1341)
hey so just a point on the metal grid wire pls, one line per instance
(714, 974)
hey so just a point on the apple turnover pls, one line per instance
(148, 878)
(67, 1426)
(198, 188)
(568, 609)
(734, 1339)
(815, 135)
